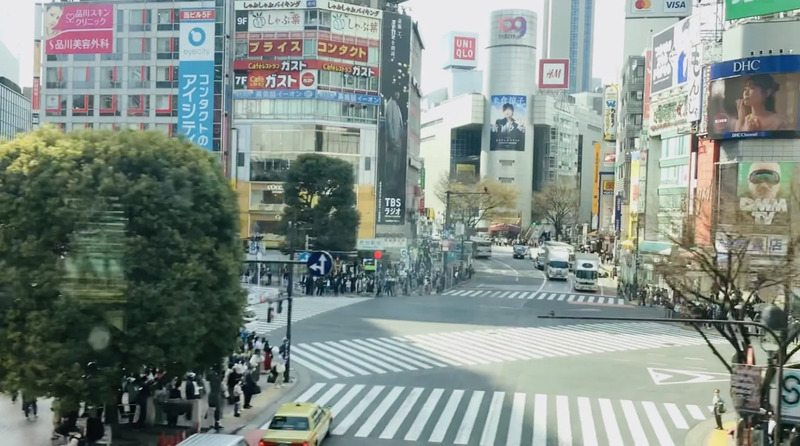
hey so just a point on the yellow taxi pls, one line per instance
(298, 424)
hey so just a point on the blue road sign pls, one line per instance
(303, 256)
(320, 263)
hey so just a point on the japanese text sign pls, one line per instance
(310, 64)
(280, 20)
(341, 50)
(79, 29)
(259, 48)
(196, 77)
(355, 26)
(271, 80)
(554, 73)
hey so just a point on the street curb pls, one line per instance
(700, 433)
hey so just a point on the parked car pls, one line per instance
(520, 251)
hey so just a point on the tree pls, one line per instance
(320, 198)
(556, 205)
(487, 200)
(118, 250)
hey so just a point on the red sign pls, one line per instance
(341, 50)
(276, 80)
(310, 64)
(648, 76)
(464, 48)
(276, 47)
(36, 94)
(197, 14)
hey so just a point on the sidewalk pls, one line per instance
(706, 433)
(16, 430)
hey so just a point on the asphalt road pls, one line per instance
(481, 369)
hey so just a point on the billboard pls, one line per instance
(757, 202)
(393, 131)
(675, 60)
(79, 29)
(196, 77)
(355, 26)
(330, 5)
(668, 114)
(354, 70)
(275, 48)
(513, 27)
(606, 202)
(341, 50)
(648, 9)
(461, 50)
(737, 9)
(554, 74)
(277, 80)
(270, 21)
(610, 113)
(508, 116)
(648, 76)
(596, 183)
(754, 97)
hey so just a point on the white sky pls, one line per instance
(436, 18)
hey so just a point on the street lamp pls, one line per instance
(447, 222)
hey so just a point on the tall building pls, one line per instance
(339, 79)
(15, 107)
(568, 33)
(132, 64)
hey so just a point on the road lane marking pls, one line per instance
(361, 406)
(562, 417)
(424, 415)
(516, 420)
(468, 423)
(588, 431)
(540, 420)
(379, 412)
(634, 424)
(696, 412)
(324, 399)
(492, 419)
(306, 396)
(610, 422)
(675, 415)
(348, 397)
(449, 411)
(394, 424)
(657, 424)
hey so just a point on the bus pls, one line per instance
(483, 248)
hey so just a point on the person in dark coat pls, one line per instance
(216, 397)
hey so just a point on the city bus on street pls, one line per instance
(483, 248)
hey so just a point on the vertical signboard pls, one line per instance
(596, 193)
(694, 71)
(610, 113)
(648, 75)
(79, 29)
(393, 132)
(618, 214)
(509, 113)
(196, 77)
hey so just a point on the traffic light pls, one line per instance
(280, 306)
(270, 312)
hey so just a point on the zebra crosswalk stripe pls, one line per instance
(379, 356)
(534, 295)
(302, 308)
(384, 412)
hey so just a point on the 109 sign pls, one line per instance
(392, 207)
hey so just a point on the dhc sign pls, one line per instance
(787, 63)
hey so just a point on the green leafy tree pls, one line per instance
(320, 201)
(118, 250)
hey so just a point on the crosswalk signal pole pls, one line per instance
(289, 286)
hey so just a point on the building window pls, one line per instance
(83, 105)
(108, 78)
(53, 78)
(163, 128)
(139, 49)
(54, 106)
(637, 119)
(109, 105)
(138, 105)
(83, 77)
(119, 50)
(368, 163)
(163, 105)
(140, 20)
(138, 77)
(166, 77)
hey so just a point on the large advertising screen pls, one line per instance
(196, 77)
(755, 97)
(507, 127)
(79, 29)
(393, 132)
(675, 62)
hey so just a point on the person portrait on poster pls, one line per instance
(508, 130)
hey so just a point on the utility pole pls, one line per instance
(446, 232)
(636, 256)
(289, 287)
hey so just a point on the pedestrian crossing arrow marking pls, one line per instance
(665, 377)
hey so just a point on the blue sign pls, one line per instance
(788, 63)
(303, 256)
(320, 263)
(196, 77)
(367, 99)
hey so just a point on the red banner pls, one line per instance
(341, 50)
(258, 48)
(310, 64)
(36, 94)
(276, 80)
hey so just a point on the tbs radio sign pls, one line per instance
(512, 28)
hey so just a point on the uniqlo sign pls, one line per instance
(464, 48)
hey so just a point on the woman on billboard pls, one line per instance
(756, 109)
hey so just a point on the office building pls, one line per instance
(139, 65)
(568, 31)
(321, 79)
(15, 110)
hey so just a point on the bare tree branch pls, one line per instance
(713, 347)
(556, 205)
(485, 201)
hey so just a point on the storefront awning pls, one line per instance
(661, 248)
(504, 228)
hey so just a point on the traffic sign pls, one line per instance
(320, 263)
(663, 377)
(303, 256)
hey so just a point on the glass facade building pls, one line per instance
(15, 110)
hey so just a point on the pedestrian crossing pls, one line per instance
(534, 295)
(302, 308)
(494, 418)
(362, 357)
